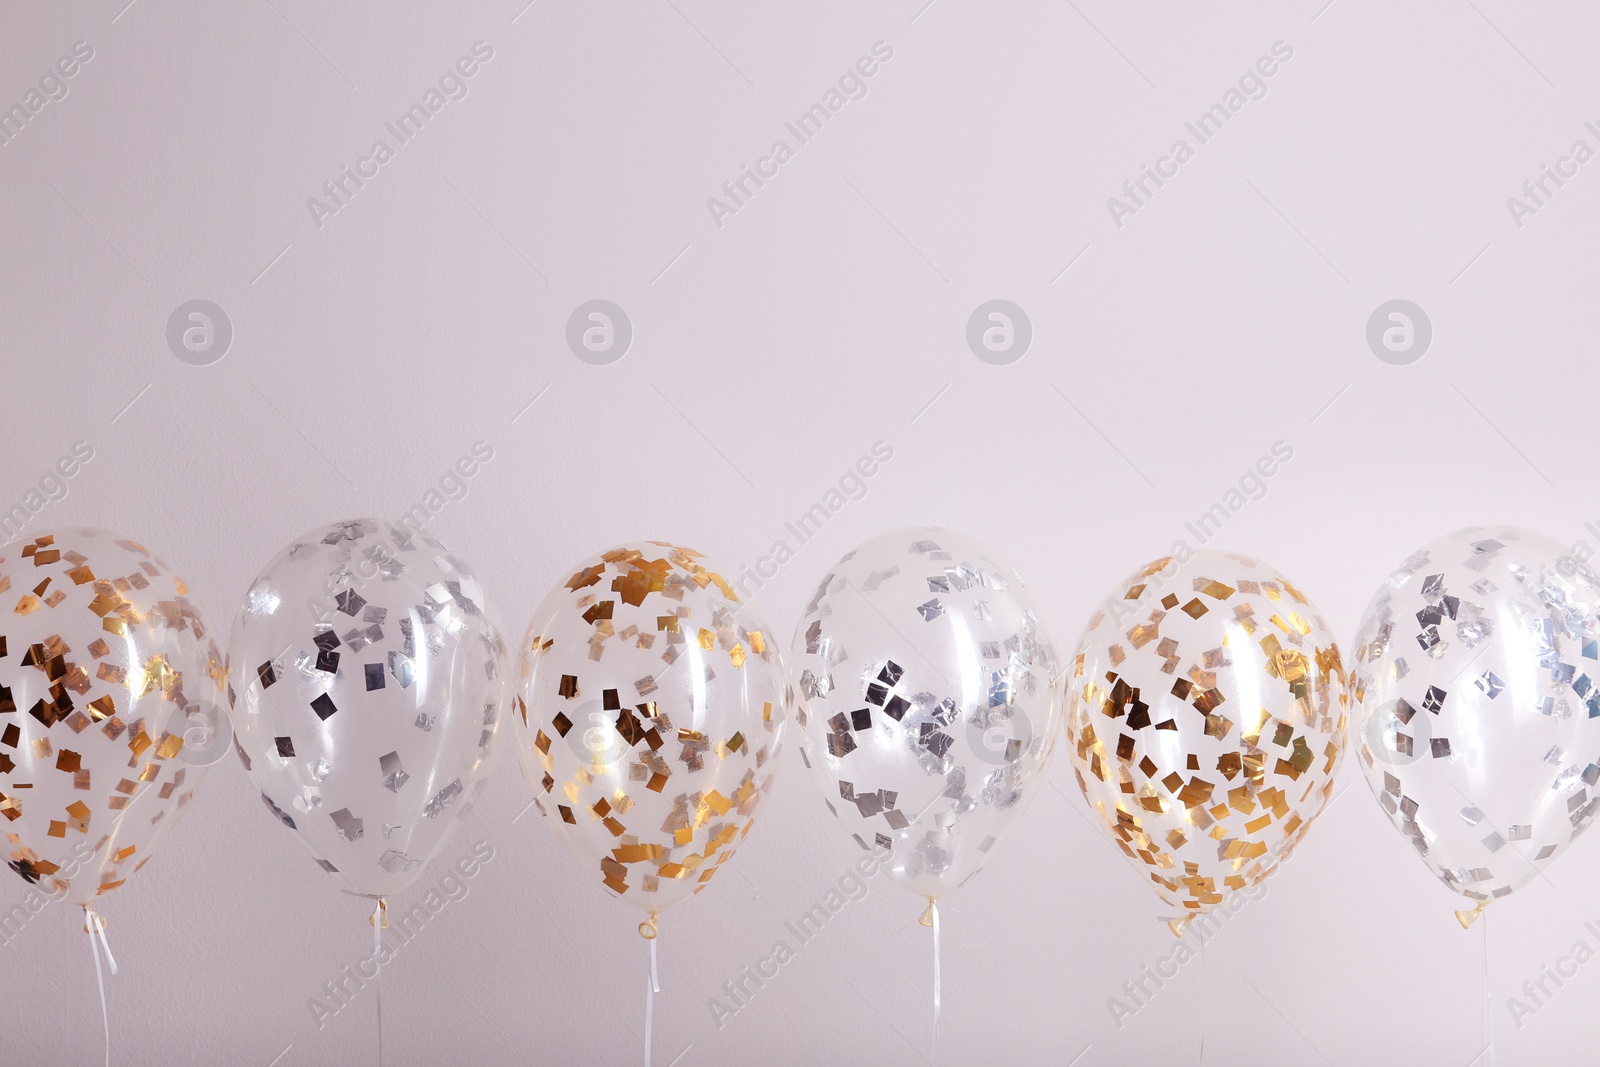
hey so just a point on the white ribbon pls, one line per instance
(97, 944)
(933, 909)
(1488, 994)
(377, 962)
(100, 932)
(650, 1002)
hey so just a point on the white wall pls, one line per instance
(1226, 314)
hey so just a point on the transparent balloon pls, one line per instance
(1206, 718)
(650, 720)
(1477, 682)
(926, 685)
(108, 672)
(367, 685)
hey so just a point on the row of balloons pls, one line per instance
(1206, 709)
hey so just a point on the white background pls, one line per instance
(768, 354)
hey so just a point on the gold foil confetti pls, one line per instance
(644, 635)
(1246, 774)
(69, 678)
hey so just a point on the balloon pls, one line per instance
(1206, 718)
(650, 720)
(927, 690)
(104, 662)
(366, 683)
(1477, 705)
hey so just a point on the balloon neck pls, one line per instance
(379, 919)
(1180, 925)
(926, 918)
(647, 929)
(91, 919)
(1467, 918)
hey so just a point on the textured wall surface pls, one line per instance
(363, 338)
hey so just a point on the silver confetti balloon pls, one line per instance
(367, 685)
(926, 684)
(1477, 683)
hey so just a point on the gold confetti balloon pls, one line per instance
(650, 719)
(1477, 705)
(367, 684)
(109, 708)
(928, 695)
(1206, 718)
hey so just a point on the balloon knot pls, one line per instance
(1467, 918)
(647, 929)
(1180, 925)
(926, 918)
(381, 919)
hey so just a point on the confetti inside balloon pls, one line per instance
(367, 683)
(107, 672)
(1477, 687)
(927, 689)
(1207, 718)
(650, 720)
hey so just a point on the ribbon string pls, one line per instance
(100, 932)
(96, 928)
(1488, 992)
(650, 1001)
(378, 921)
(933, 910)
